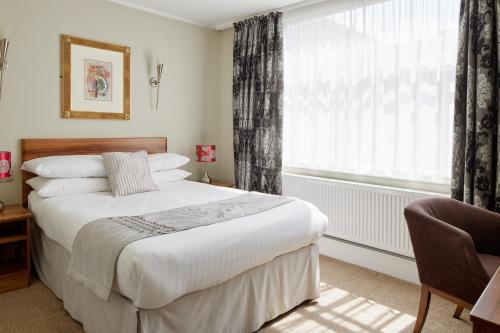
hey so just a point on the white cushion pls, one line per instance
(70, 166)
(166, 161)
(129, 173)
(169, 176)
(55, 187)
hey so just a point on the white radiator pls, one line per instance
(365, 214)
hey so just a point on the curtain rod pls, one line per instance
(284, 9)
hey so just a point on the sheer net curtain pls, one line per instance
(369, 88)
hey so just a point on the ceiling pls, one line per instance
(218, 14)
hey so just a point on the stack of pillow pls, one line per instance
(121, 173)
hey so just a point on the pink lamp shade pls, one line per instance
(205, 153)
(5, 164)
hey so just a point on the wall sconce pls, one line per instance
(155, 82)
(4, 47)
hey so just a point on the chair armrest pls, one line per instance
(482, 225)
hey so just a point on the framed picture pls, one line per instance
(95, 79)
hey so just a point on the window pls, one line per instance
(369, 89)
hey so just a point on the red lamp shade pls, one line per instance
(5, 164)
(205, 153)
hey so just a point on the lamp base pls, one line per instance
(6, 180)
(2, 205)
(206, 178)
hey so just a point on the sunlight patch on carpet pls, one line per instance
(340, 311)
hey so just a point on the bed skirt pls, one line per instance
(241, 304)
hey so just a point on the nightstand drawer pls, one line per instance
(14, 280)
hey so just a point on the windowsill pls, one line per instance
(436, 188)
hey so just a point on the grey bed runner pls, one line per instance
(99, 243)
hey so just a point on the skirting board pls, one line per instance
(397, 266)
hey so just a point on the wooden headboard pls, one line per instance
(34, 148)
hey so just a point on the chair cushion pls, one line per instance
(489, 262)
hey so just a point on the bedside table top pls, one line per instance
(222, 184)
(14, 213)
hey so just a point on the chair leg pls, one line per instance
(425, 300)
(458, 312)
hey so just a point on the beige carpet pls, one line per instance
(352, 300)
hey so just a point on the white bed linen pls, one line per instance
(155, 271)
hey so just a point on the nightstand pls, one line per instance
(15, 270)
(222, 184)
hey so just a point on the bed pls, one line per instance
(227, 277)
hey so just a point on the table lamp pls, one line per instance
(5, 166)
(205, 154)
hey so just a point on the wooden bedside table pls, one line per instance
(15, 270)
(222, 184)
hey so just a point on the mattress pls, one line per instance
(156, 271)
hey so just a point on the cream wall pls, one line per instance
(225, 151)
(189, 101)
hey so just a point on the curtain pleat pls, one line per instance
(475, 145)
(258, 103)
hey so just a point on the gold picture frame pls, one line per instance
(95, 79)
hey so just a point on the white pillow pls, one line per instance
(83, 166)
(70, 166)
(55, 187)
(169, 176)
(166, 161)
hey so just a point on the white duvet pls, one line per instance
(155, 271)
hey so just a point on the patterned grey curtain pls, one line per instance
(258, 103)
(476, 168)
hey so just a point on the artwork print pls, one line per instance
(95, 79)
(98, 80)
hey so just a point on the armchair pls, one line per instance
(457, 250)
